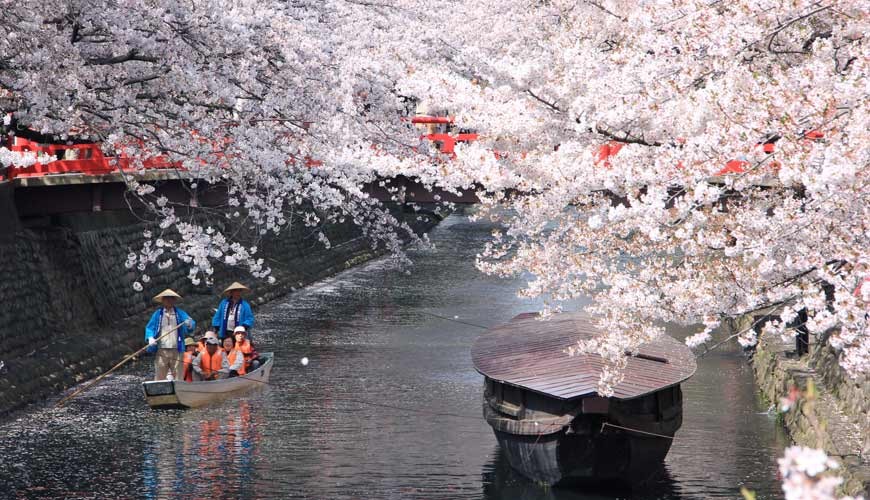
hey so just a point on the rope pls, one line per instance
(246, 377)
(532, 449)
(383, 405)
(455, 320)
(608, 424)
(212, 392)
(444, 414)
(413, 410)
(359, 401)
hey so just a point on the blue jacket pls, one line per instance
(244, 317)
(152, 329)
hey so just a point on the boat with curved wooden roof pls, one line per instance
(547, 416)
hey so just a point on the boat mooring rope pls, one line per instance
(455, 320)
(413, 410)
(446, 414)
(608, 424)
(370, 403)
(264, 382)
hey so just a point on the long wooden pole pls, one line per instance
(128, 358)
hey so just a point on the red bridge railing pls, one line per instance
(86, 159)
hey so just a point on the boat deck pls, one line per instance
(529, 353)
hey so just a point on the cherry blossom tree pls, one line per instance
(280, 102)
(677, 160)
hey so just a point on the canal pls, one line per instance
(387, 408)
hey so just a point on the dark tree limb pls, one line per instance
(543, 101)
(131, 55)
(625, 138)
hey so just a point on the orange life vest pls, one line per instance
(188, 367)
(210, 363)
(246, 348)
(231, 358)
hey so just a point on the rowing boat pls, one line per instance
(178, 394)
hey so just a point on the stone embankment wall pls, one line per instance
(832, 411)
(69, 312)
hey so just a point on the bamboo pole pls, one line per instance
(128, 358)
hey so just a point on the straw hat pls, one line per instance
(237, 286)
(166, 293)
(189, 341)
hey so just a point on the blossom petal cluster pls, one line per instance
(802, 470)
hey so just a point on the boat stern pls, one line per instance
(161, 394)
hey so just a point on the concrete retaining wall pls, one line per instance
(831, 413)
(852, 395)
(68, 310)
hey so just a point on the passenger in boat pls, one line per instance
(233, 311)
(211, 364)
(234, 357)
(209, 334)
(252, 361)
(190, 352)
(170, 325)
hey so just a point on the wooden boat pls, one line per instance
(179, 394)
(549, 421)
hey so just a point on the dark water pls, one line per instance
(341, 427)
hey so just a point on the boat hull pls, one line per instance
(584, 441)
(166, 394)
(564, 459)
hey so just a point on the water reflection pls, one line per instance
(388, 408)
(203, 458)
(501, 482)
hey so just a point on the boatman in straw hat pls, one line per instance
(233, 311)
(169, 348)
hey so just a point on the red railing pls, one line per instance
(611, 148)
(434, 120)
(446, 142)
(88, 160)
